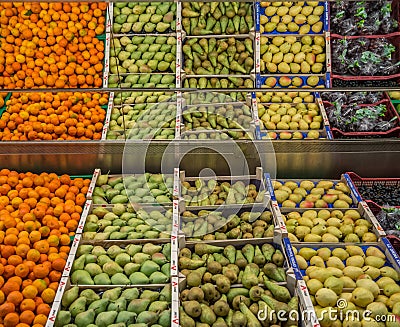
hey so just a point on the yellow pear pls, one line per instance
(390, 272)
(335, 271)
(384, 280)
(353, 272)
(335, 262)
(355, 250)
(355, 261)
(324, 253)
(369, 285)
(301, 262)
(375, 261)
(373, 272)
(348, 282)
(317, 261)
(341, 253)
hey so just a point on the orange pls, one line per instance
(27, 317)
(30, 292)
(40, 285)
(11, 319)
(48, 295)
(15, 297)
(27, 304)
(40, 271)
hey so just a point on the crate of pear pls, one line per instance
(292, 54)
(218, 81)
(143, 54)
(154, 115)
(112, 306)
(330, 225)
(227, 224)
(211, 192)
(217, 116)
(217, 18)
(200, 133)
(293, 81)
(293, 17)
(294, 135)
(218, 56)
(285, 97)
(217, 98)
(205, 305)
(142, 80)
(285, 116)
(124, 222)
(135, 188)
(122, 263)
(140, 99)
(144, 17)
(314, 193)
(362, 275)
(251, 263)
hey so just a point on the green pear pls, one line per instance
(138, 305)
(373, 272)
(307, 253)
(376, 262)
(314, 285)
(326, 297)
(377, 309)
(335, 284)
(369, 285)
(324, 253)
(335, 262)
(390, 272)
(362, 297)
(348, 282)
(355, 261)
(390, 289)
(353, 272)
(341, 253)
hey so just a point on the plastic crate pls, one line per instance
(390, 114)
(369, 182)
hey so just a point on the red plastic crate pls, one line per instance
(390, 113)
(360, 181)
(394, 38)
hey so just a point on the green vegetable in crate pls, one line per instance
(293, 55)
(329, 226)
(285, 116)
(147, 188)
(126, 265)
(146, 80)
(231, 82)
(210, 56)
(211, 192)
(142, 17)
(122, 222)
(212, 225)
(283, 97)
(115, 307)
(356, 276)
(292, 17)
(308, 194)
(203, 18)
(142, 54)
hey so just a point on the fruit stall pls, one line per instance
(200, 164)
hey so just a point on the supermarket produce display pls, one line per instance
(167, 247)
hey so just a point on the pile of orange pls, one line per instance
(52, 44)
(38, 214)
(53, 116)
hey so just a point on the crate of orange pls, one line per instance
(53, 116)
(46, 45)
(38, 214)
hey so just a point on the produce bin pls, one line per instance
(369, 46)
(141, 268)
(293, 216)
(210, 18)
(207, 225)
(320, 25)
(322, 132)
(390, 115)
(96, 194)
(344, 182)
(392, 259)
(62, 302)
(218, 81)
(363, 182)
(364, 19)
(294, 290)
(287, 54)
(292, 81)
(189, 189)
(125, 222)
